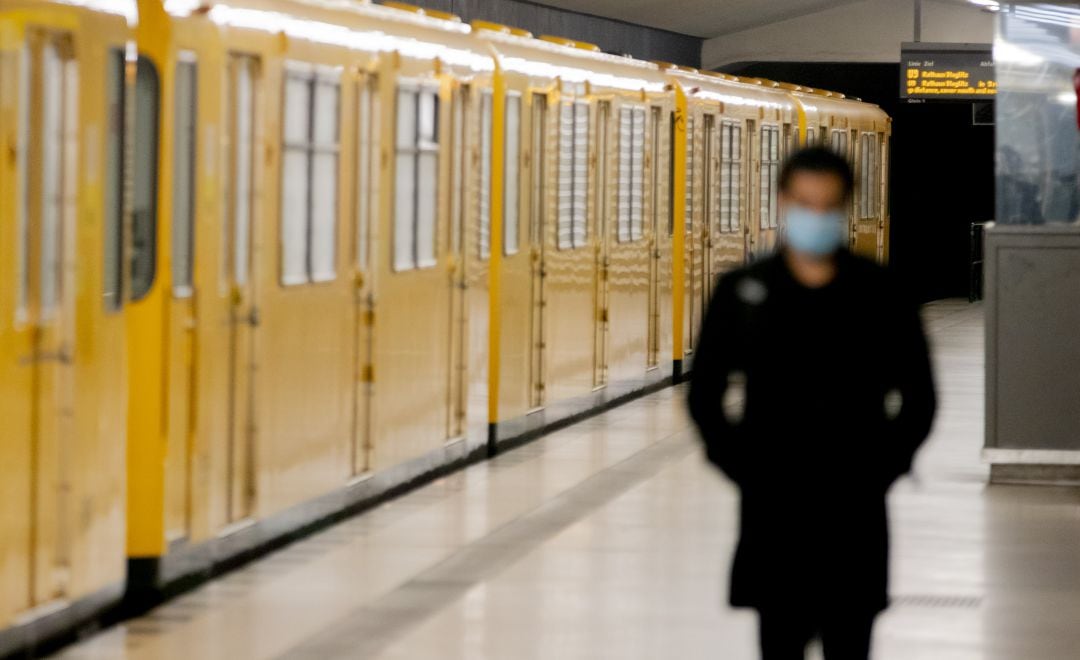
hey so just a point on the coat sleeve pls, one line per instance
(914, 380)
(713, 362)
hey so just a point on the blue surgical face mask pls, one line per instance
(818, 234)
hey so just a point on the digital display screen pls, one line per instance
(947, 72)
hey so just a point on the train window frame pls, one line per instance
(769, 175)
(630, 205)
(657, 179)
(729, 187)
(572, 231)
(22, 213)
(459, 165)
(512, 173)
(368, 144)
(185, 153)
(413, 243)
(308, 235)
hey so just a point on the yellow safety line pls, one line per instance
(678, 243)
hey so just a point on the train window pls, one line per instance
(416, 175)
(459, 165)
(789, 142)
(367, 172)
(184, 175)
(112, 277)
(810, 140)
(309, 185)
(770, 172)
(840, 142)
(868, 176)
(144, 179)
(512, 168)
(690, 141)
(22, 163)
(573, 174)
(630, 221)
(486, 109)
(46, 145)
(710, 191)
(730, 192)
(657, 177)
(243, 76)
(539, 168)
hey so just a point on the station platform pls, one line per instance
(611, 539)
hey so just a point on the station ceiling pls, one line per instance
(700, 18)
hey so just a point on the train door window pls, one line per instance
(184, 175)
(539, 168)
(416, 175)
(486, 101)
(710, 193)
(810, 140)
(367, 172)
(657, 175)
(512, 168)
(243, 73)
(115, 98)
(459, 165)
(864, 176)
(789, 142)
(144, 179)
(690, 141)
(630, 220)
(309, 184)
(49, 129)
(730, 176)
(573, 174)
(770, 172)
(840, 142)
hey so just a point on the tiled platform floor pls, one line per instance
(610, 539)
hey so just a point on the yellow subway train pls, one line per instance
(262, 261)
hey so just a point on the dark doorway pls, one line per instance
(942, 170)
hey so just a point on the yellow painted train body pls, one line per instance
(266, 259)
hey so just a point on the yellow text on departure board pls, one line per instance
(923, 82)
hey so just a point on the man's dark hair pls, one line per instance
(821, 161)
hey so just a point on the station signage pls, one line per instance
(947, 72)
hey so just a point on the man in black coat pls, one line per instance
(812, 389)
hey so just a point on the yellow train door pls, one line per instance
(182, 322)
(656, 185)
(538, 210)
(47, 283)
(600, 197)
(367, 205)
(244, 317)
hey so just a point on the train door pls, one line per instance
(367, 208)
(459, 165)
(538, 212)
(182, 322)
(693, 312)
(656, 183)
(243, 72)
(48, 156)
(600, 197)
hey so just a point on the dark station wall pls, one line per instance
(942, 170)
(610, 35)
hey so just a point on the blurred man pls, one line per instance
(812, 390)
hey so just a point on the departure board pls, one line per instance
(947, 72)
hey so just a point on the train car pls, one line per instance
(268, 259)
(311, 317)
(586, 272)
(63, 387)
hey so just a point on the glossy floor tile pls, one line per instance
(611, 538)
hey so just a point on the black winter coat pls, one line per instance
(838, 396)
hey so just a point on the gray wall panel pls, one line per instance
(612, 36)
